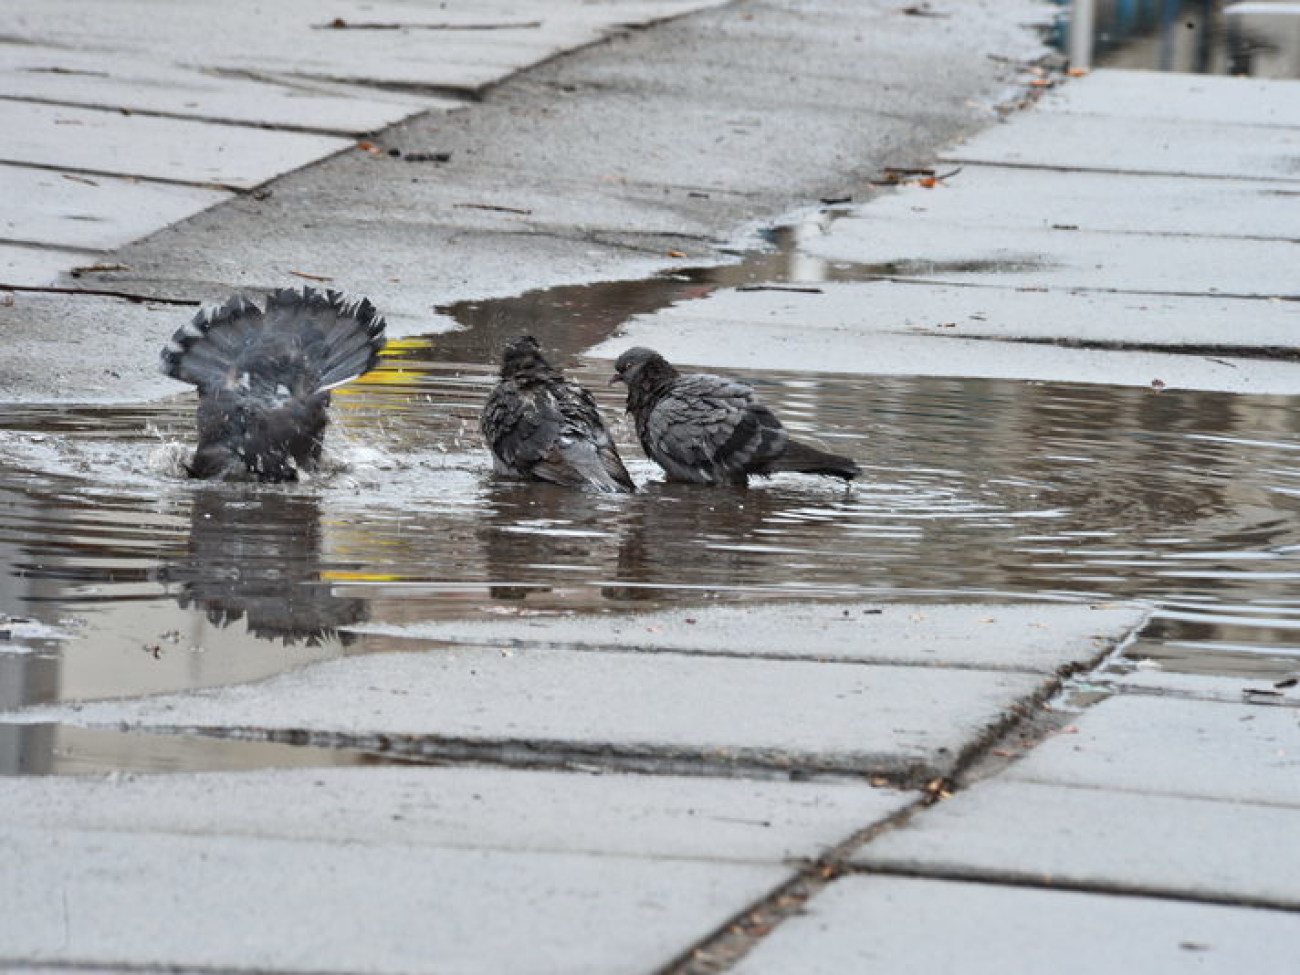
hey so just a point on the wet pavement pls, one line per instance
(1035, 670)
(145, 582)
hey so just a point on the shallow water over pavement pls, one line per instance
(135, 580)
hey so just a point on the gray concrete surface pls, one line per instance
(671, 141)
(105, 900)
(1039, 638)
(718, 125)
(1086, 244)
(911, 926)
(1229, 752)
(653, 816)
(1089, 839)
(87, 93)
(910, 722)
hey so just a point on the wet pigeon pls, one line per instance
(710, 430)
(539, 425)
(264, 378)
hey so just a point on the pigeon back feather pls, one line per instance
(541, 426)
(711, 430)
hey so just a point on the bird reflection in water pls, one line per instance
(667, 542)
(693, 535)
(539, 537)
(256, 556)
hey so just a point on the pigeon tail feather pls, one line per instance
(321, 340)
(799, 458)
(264, 377)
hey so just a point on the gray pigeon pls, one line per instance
(540, 426)
(710, 430)
(264, 378)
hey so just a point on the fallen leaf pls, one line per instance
(677, 254)
(311, 277)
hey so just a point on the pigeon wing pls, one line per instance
(709, 428)
(519, 426)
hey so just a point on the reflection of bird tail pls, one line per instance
(332, 338)
(799, 458)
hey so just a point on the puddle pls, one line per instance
(54, 749)
(1198, 36)
(137, 581)
(125, 578)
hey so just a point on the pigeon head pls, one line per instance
(521, 356)
(641, 366)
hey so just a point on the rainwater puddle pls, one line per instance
(125, 578)
(136, 580)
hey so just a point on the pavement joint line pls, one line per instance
(1185, 694)
(99, 967)
(1270, 352)
(42, 245)
(203, 185)
(741, 933)
(1066, 669)
(1153, 793)
(1111, 171)
(98, 293)
(1027, 881)
(1066, 289)
(420, 749)
(202, 119)
(1080, 289)
(735, 939)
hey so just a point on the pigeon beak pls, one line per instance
(616, 378)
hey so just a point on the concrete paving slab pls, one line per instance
(606, 147)
(1046, 258)
(912, 927)
(957, 311)
(46, 336)
(911, 722)
(1172, 95)
(1033, 833)
(173, 902)
(466, 808)
(1040, 638)
(1234, 752)
(1056, 140)
(52, 208)
(1016, 198)
(464, 46)
(35, 267)
(177, 150)
(148, 83)
(1230, 690)
(903, 328)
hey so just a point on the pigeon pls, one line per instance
(706, 429)
(542, 427)
(264, 378)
